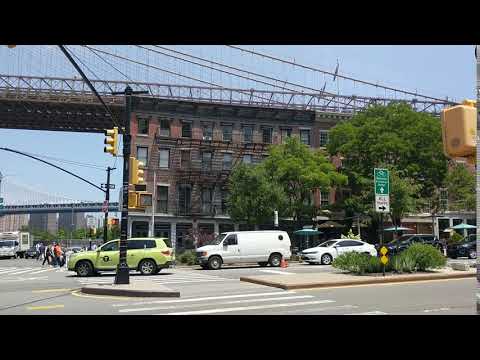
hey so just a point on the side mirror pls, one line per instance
(225, 244)
(335, 246)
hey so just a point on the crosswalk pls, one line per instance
(270, 302)
(167, 277)
(25, 273)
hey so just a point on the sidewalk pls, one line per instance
(335, 279)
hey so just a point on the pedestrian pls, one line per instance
(41, 255)
(58, 254)
(94, 247)
(46, 255)
(37, 251)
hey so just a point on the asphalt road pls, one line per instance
(28, 288)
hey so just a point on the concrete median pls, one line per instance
(138, 288)
(319, 280)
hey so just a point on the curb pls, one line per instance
(127, 292)
(356, 282)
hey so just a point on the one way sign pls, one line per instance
(382, 203)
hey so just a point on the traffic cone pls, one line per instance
(283, 263)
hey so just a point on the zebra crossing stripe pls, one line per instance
(21, 272)
(44, 270)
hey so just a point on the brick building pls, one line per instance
(189, 150)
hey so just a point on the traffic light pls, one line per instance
(139, 199)
(136, 171)
(459, 130)
(111, 141)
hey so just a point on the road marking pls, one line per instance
(278, 272)
(103, 297)
(24, 279)
(245, 308)
(375, 312)
(50, 290)
(435, 310)
(45, 307)
(221, 303)
(223, 297)
(44, 270)
(22, 271)
(8, 271)
(339, 307)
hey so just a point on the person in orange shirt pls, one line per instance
(58, 252)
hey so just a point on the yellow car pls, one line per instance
(147, 255)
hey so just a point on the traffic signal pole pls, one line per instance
(107, 200)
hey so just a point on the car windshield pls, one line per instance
(217, 240)
(6, 243)
(327, 243)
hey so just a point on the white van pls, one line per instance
(262, 247)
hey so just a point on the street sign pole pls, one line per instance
(382, 198)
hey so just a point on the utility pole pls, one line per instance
(123, 274)
(107, 187)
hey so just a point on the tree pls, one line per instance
(460, 183)
(61, 234)
(396, 137)
(299, 171)
(252, 197)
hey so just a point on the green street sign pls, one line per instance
(382, 181)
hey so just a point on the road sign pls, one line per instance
(382, 181)
(1, 202)
(384, 260)
(382, 203)
(91, 222)
(105, 206)
(383, 250)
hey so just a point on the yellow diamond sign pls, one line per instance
(383, 250)
(384, 260)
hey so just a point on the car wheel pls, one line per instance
(263, 264)
(204, 266)
(275, 260)
(214, 263)
(326, 259)
(147, 267)
(84, 268)
(472, 254)
(157, 271)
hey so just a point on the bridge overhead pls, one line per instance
(56, 208)
(62, 104)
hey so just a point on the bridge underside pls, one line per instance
(36, 210)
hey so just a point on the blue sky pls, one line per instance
(437, 71)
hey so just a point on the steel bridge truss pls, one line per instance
(52, 89)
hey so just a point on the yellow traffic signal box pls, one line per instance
(459, 130)
(136, 171)
(111, 141)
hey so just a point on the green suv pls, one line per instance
(147, 255)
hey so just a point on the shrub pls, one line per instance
(424, 256)
(455, 238)
(404, 262)
(188, 257)
(357, 263)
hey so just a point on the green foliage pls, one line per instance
(252, 196)
(425, 256)
(359, 263)
(187, 257)
(460, 183)
(351, 235)
(404, 262)
(298, 171)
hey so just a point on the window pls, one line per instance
(324, 198)
(207, 131)
(224, 197)
(305, 136)
(164, 127)
(143, 126)
(342, 243)
(185, 161)
(135, 244)
(230, 240)
(207, 161)
(184, 198)
(206, 200)
(247, 159)
(323, 138)
(150, 244)
(247, 134)
(142, 154)
(227, 161)
(186, 130)
(227, 132)
(164, 162)
(352, 243)
(267, 135)
(162, 199)
(286, 133)
(113, 246)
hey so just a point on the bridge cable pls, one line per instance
(333, 74)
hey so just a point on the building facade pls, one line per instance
(13, 222)
(44, 222)
(69, 221)
(190, 149)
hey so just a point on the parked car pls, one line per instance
(262, 247)
(467, 248)
(31, 253)
(404, 241)
(147, 255)
(329, 250)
